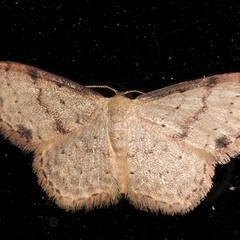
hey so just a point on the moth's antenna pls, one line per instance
(102, 86)
(133, 91)
(114, 90)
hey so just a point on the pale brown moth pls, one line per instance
(158, 150)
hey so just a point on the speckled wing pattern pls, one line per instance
(62, 122)
(158, 150)
(182, 132)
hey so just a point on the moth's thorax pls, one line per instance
(117, 110)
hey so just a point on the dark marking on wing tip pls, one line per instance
(7, 68)
(33, 73)
(182, 90)
(24, 132)
(211, 82)
(222, 142)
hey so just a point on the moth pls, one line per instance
(158, 150)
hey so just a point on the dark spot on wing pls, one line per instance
(95, 194)
(212, 81)
(222, 142)
(50, 183)
(62, 101)
(9, 125)
(205, 168)
(59, 84)
(147, 196)
(1, 102)
(44, 174)
(188, 197)
(7, 68)
(58, 191)
(39, 97)
(41, 162)
(77, 121)
(33, 73)
(60, 128)
(24, 132)
(201, 182)
(184, 133)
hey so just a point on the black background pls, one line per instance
(129, 45)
